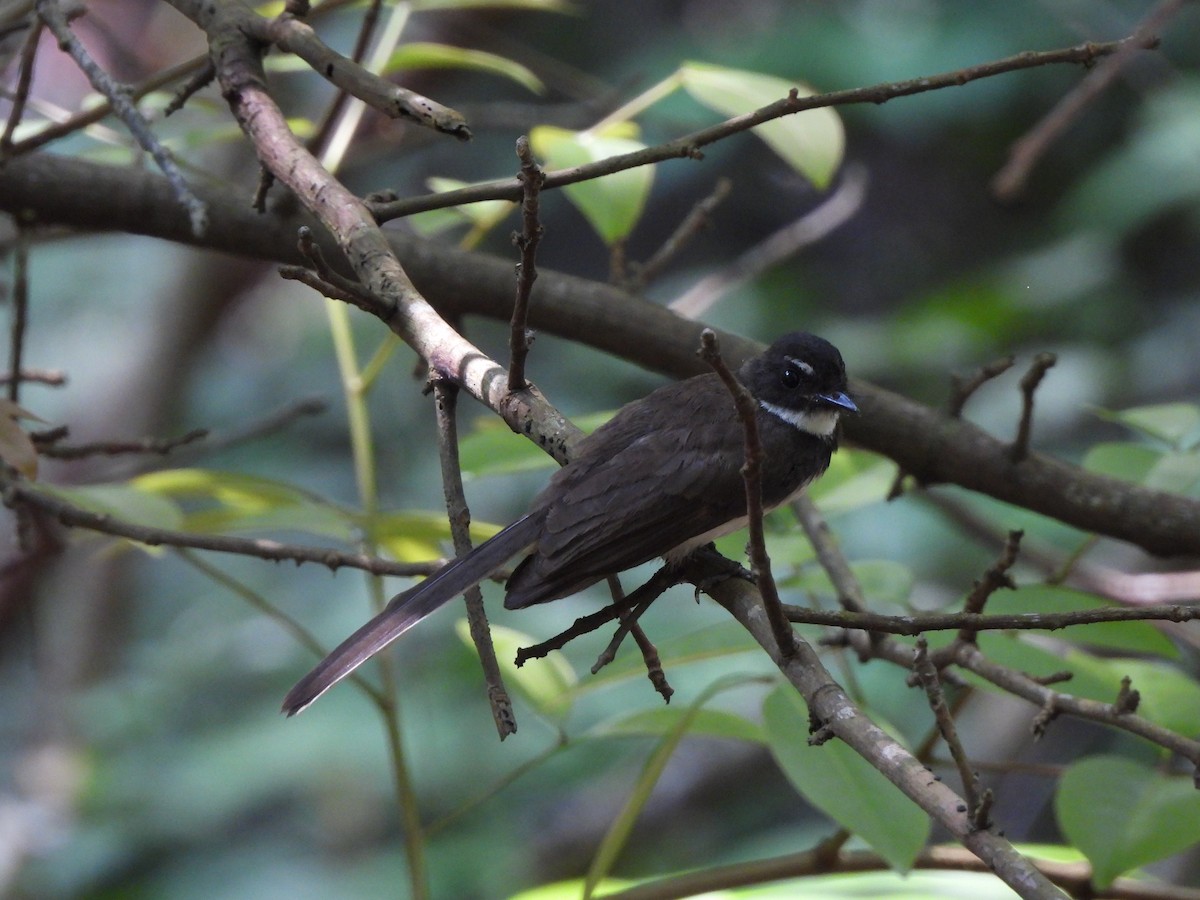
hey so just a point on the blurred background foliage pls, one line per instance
(142, 750)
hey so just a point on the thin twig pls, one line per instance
(699, 218)
(294, 36)
(993, 579)
(18, 494)
(1051, 704)
(21, 92)
(93, 114)
(927, 674)
(195, 83)
(51, 13)
(963, 388)
(527, 241)
(850, 594)
(51, 377)
(1029, 383)
(688, 146)
(1025, 153)
(664, 578)
(20, 314)
(1042, 621)
(760, 562)
(344, 290)
(445, 394)
(268, 424)
(154, 445)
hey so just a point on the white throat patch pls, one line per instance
(820, 423)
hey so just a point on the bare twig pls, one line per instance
(1026, 152)
(268, 424)
(664, 578)
(527, 241)
(20, 313)
(760, 562)
(1051, 704)
(445, 395)
(17, 494)
(195, 83)
(926, 622)
(51, 377)
(963, 388)
(24, 80)
(101, 110)
(688, 146)
(699, 218)
(50, 12)
(780, 246)
(1019, 449)
(993, 579)
(927, 674)
(294, 36)
(158, 446)
(343, 290)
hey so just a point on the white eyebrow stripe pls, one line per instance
(804, 367)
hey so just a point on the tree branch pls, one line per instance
(928, 444)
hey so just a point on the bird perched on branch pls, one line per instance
(660, 478)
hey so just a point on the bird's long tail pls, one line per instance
(408, 608)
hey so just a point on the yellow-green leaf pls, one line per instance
(421, 55)
(613, 203)
(811, 142)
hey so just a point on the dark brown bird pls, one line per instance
(660, 478)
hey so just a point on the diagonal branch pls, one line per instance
(688, 146)
(52, 14)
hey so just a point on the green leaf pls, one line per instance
(1171, 423)
(1126, 637)
(547, 684)
(613, 203)
(1129, 462)
(230, 501)
(1123, 815)
(842, 784)
(421, 55)
(658, 721)
(812, 142)
(619, 831)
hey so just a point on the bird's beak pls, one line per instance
(839, 400)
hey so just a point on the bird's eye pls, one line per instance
(790, 376)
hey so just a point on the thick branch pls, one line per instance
(924, 442)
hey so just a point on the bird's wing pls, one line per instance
(640, 499)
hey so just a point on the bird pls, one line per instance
(660, 478)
